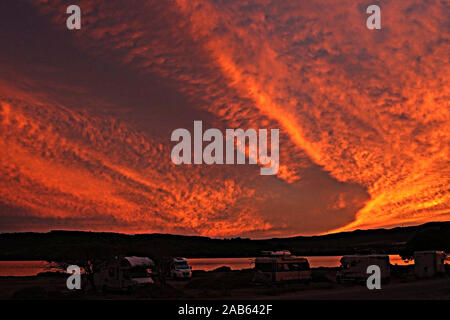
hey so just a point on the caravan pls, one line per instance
(277, 266)
(429, 263)
(180, 269)
(354, 267)
(124, 273)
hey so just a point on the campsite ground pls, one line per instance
(233, 285)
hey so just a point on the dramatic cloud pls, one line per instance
(65, 164)
(363, 115)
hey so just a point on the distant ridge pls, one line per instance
(59, 243)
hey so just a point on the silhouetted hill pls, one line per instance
(63, 244)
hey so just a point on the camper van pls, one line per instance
(278, 266)
(354, 267)
(124, 273)
(429, 263)
(180, 269)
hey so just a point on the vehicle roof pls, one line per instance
(429, 252)
(381, 256)
(281, 259)
(179, 259)
(139, 261)
(272, 253)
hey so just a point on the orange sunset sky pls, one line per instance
(86, 116)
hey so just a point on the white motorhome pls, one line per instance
(180, 269)
(354, 267)
(429, 263)
(277, 266)
(124, 273)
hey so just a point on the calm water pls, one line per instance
(23, 268)
(209, 264)
(32, 268)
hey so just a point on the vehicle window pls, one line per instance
(138, 272)
(301, 266)
(126, 275)
(282, 267)
(264, 267)
(304, 266)
(181, 265)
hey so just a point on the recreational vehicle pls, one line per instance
(124, 273)
(429, 263)
(180, 269)
(277, 266)
(354, 267)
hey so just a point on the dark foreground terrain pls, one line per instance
(234, 285)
